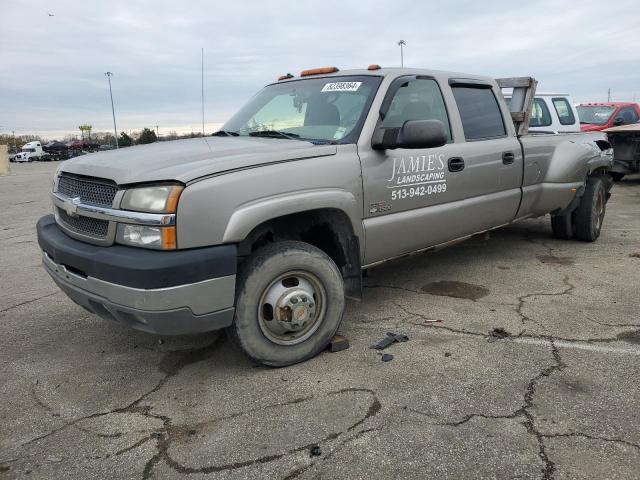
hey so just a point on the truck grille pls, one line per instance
(98, 192)
(84, 225)
(92, 191)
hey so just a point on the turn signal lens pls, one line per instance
(318, 71)
(169, 238)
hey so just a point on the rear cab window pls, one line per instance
(564, 111)
(479, 112)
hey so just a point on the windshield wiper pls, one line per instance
(274, 133)
(225, 133)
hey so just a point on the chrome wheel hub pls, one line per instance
(291, 308)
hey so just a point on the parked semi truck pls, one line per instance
(265, 227)
(30, 151)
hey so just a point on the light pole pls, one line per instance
(113, 112)
(401, 44)
(202, 85)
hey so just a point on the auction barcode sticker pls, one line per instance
(341, 87)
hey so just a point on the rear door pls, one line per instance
(492, 155)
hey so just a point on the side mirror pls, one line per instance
(618, 121)
(413, 134)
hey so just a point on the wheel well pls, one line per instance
(330, 230)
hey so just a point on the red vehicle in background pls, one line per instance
(598, 116)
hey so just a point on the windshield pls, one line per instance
(595, 114)
(320, 110)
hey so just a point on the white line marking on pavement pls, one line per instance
(579, 346)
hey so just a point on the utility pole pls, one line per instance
(113, 112)
(202, 84)
(157, 133)
(401, 44)
(609, 95)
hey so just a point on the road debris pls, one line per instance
(390, 339)
(315, 451)
(498, 334)
(338, 343)
(54, 459)
(387, 357)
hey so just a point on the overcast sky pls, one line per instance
(52, 67)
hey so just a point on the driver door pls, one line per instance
(408, 192)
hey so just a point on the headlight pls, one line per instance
(156, 199)
(161, 238)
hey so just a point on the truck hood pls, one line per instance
(188, 160)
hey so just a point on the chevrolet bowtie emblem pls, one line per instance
(71, 206)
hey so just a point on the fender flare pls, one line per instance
(248, 216)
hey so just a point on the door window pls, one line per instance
(418, 99)
(628, 115)
(564, 111)
(540, 115)
(479, 112)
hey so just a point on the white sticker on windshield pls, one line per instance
(341, 87)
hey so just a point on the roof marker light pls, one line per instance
(318, 71)
(374, 66)
(285, 77)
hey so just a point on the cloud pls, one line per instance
(53, 67)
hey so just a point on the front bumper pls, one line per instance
(167, 293)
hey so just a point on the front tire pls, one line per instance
(289, 303)
(590, 212)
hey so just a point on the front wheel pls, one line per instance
(289, 303)
(590, 212)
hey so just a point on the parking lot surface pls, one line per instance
(556, 398)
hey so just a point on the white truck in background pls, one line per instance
(552, 113)
(30, 151)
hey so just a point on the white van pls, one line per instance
(30, 151)
(552, 113)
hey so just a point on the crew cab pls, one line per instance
(552, 113)
(600, 116)
(266, 226)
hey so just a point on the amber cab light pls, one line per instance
(374, 66)
(318, 71)
(285, 77)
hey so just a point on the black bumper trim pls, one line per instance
(135, 267)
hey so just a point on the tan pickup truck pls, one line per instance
(265, 227)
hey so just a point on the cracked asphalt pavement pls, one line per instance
(556, 399)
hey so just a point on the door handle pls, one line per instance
(456, 164)
(508, 158)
